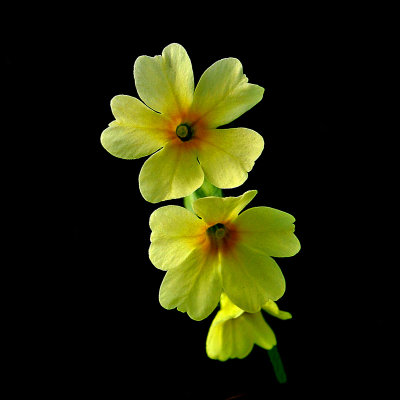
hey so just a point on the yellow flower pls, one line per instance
(234, 332)
(182, 123)
(221, 250)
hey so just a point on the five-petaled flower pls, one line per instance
(182, 123)
(218, 250)
(234, 332)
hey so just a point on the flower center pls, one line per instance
(184, 132)
(222, 238)
(217, 230)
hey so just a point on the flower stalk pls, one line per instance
(277, 365)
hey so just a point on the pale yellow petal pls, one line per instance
(194, 287)
(176, 235)
(272, 308)
(227, 155)
(235, 338)
(229, 339)
(250, 278)
(137, 131)
(262, 333)
(165, 83)
(215, 210)
(223, 93)
(268, 230)
(228, 310)
(171, 173)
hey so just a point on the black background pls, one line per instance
(88, 319)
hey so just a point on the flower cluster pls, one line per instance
(213, 252)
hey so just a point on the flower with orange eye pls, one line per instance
(178, 124)
(220, 248)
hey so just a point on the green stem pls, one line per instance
(205, 190)
(277, 365)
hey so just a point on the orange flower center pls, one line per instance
(222, 237)
(187, 129)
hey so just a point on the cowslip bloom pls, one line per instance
(218, 250)
(234, 332)
(178, 124)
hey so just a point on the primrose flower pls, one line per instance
(234, 332)
(220, 249)
(178, 124)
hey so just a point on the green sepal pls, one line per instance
(205, 190)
